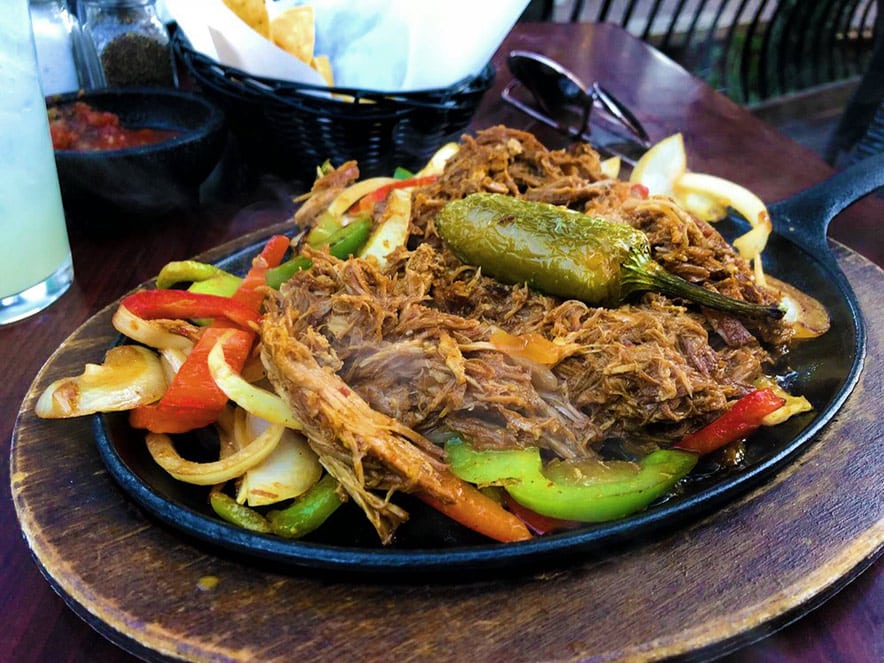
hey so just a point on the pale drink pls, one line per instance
(35, 258)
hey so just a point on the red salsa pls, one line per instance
(78, 126)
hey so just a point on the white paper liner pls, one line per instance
(386, 45)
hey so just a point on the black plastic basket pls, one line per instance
(291, 128)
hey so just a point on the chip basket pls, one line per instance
(291, 128)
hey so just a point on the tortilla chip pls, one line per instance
(253, 13)
(294, 31)
(322, 64)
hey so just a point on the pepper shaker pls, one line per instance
(130, 41)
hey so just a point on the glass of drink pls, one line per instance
(35, 258)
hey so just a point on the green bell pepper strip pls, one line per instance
(181, 271)
(327, 224)
(348, 240)
(204, 278)
(227, 508)
(308, 511)
(223, 284)
(520, 472)
(279, 275)
(342, 243)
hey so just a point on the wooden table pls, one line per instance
(721, 138)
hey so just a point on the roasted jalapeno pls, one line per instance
(566, 253)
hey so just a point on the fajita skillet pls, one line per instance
(825, 370)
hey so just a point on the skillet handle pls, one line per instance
(805, 216)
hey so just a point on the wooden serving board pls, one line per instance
(708, 587)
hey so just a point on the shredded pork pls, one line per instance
(377, 360)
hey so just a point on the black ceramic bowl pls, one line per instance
(149, 180)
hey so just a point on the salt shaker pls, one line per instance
(58, 39)
(130, 40)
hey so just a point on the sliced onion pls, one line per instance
(153, 333)
(730, 194)
(611, 167)
(807, 315)
(349, 196)
(660, 167)
(172, 360)
(254, 400)
(130, 376)
(392, 231)
(703, 205)
(436, 163)
(162, 450)
(290, 471)
(793, 405)
(663, 170)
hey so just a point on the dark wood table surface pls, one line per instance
(721, 137)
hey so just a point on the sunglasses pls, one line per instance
(560, 100)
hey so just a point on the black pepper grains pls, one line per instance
(136, 59)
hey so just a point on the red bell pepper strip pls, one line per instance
(250, 291)
(536, 522)
(477, 511)
(639, 191)
(738, 422)
(368, 201)
(193, 400)
(152, 304)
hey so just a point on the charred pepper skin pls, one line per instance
(566, 253)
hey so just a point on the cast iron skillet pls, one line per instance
(823, 369)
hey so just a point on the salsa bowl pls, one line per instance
(144, 180)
